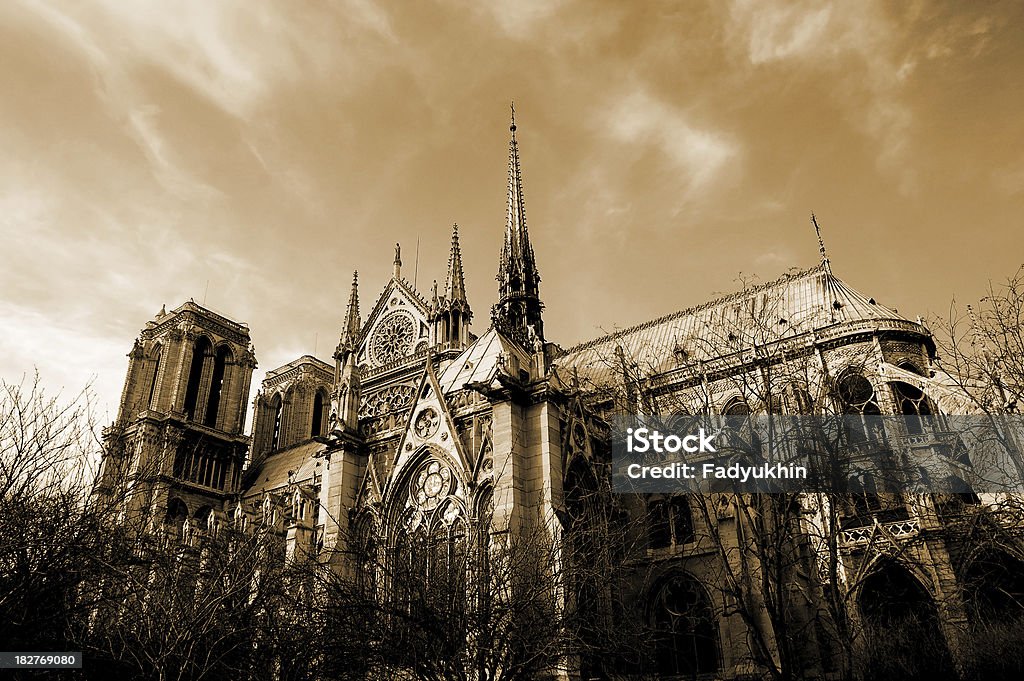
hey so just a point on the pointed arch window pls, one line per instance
(864, 496)
(278, 406)
(320, 405)
(202, 361)
(686, 637)
(912, 403)
(858, 402)
(798, 400)
(961, 492)
(157, 356)
(366, 550)
(737, 406)
(670, 522)
(901, 618)
(994, 588)
(432, 515)
(175, 518)
(220, 362)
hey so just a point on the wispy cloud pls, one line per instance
(856, 43)
(270, 148)
(698, 154)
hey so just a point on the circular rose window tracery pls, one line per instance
(431, 485)
(426, 423)
(393, 337)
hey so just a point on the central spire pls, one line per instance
(518, 311)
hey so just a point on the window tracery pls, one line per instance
(393, 338)
(912, 403)
(393, 398)
(432, 534)
(427, 423)
(687, 640)
(431, 484)
(858, 401)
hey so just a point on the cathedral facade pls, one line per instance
(419, 424)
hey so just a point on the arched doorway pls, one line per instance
(902, 638)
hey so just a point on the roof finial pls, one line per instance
(398, 261)
(821, 242)
(512, 127)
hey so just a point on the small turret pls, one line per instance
(345, 400)
(349, 339)
(450, 312)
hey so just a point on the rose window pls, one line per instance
(431, 484)
(393, 337)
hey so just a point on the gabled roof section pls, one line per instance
(481, 362)
(429, 425)
(400, 297)
(307, 360)
(418, 301)
(369, 489)
(798, 303)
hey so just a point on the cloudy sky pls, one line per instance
(254, 153)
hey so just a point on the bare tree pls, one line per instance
(481, 604)
(196, 602)
(51, 528)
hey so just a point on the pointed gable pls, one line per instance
(396, 328)
(369, 490)
(430, 425)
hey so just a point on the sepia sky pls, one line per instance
(254, 153)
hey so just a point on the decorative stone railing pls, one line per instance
(901, 529)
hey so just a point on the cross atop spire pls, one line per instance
(518, 312)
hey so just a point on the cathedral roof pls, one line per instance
(802, 302)
(273, 472)
(480, 362)
(305, 360)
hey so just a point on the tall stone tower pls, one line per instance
(176, 450)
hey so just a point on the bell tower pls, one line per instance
(179, 425)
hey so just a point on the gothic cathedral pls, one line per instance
(420, 424)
